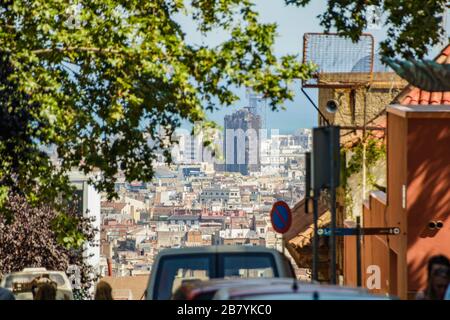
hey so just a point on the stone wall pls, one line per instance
(375, 99)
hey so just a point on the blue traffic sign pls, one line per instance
(338, 231)
(281, 217)
(362, 231)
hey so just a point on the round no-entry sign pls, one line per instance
(281, 217)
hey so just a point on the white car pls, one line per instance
(175, 267)
(296, 291)
(19, 283)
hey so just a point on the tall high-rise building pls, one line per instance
(241, 148)
(190, 149)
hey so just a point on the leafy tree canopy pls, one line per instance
(99, 79)
(29, 240)
(413, 26)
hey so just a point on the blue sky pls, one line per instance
(292, 24)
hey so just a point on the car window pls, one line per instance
(25, 278)
(288, 266)
(256, 265)
(173, 270)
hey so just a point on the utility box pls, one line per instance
(326, 156)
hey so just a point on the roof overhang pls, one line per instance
(420, 111)
(301, 220)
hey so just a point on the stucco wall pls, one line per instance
(428, 195)
(374, 99)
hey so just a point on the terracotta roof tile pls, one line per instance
(118, 206)
(412, 97)
(446, 51)
(351, 139)
(424, 97)
(436, 98)
(446, 98)
(415, 96)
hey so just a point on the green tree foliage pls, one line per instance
(29, 240)
(106, 82)
(413, 26)
(99, 79)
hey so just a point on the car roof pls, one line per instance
(34, 271)
(38, 271)
(196, 287)
(234, 281)
(336, 295)
(217, 249)
(288, 288)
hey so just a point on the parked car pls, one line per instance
(205, 290)
(174, 267)
(20, 283)
(298, 291)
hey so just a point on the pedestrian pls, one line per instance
(438, 262)
(438, 278)
(45, 291)
(5, 294)
(43, 288)
(103, 291)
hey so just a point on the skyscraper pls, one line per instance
(241, 148)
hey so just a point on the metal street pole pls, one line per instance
(358, 252)
(315, 246)
(315, 274)
(307, 180)
(333, 206)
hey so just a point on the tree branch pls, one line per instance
(79, 49)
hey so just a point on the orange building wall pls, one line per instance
(350, 259)
(375, 250)
(387, 252)
(396, 213)
(428, 194)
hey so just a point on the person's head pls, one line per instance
(45, 291)
(43, 288)
(438, 283)
(438, 262)
(103, 291)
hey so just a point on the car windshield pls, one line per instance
(248, 266)
(177, 269)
